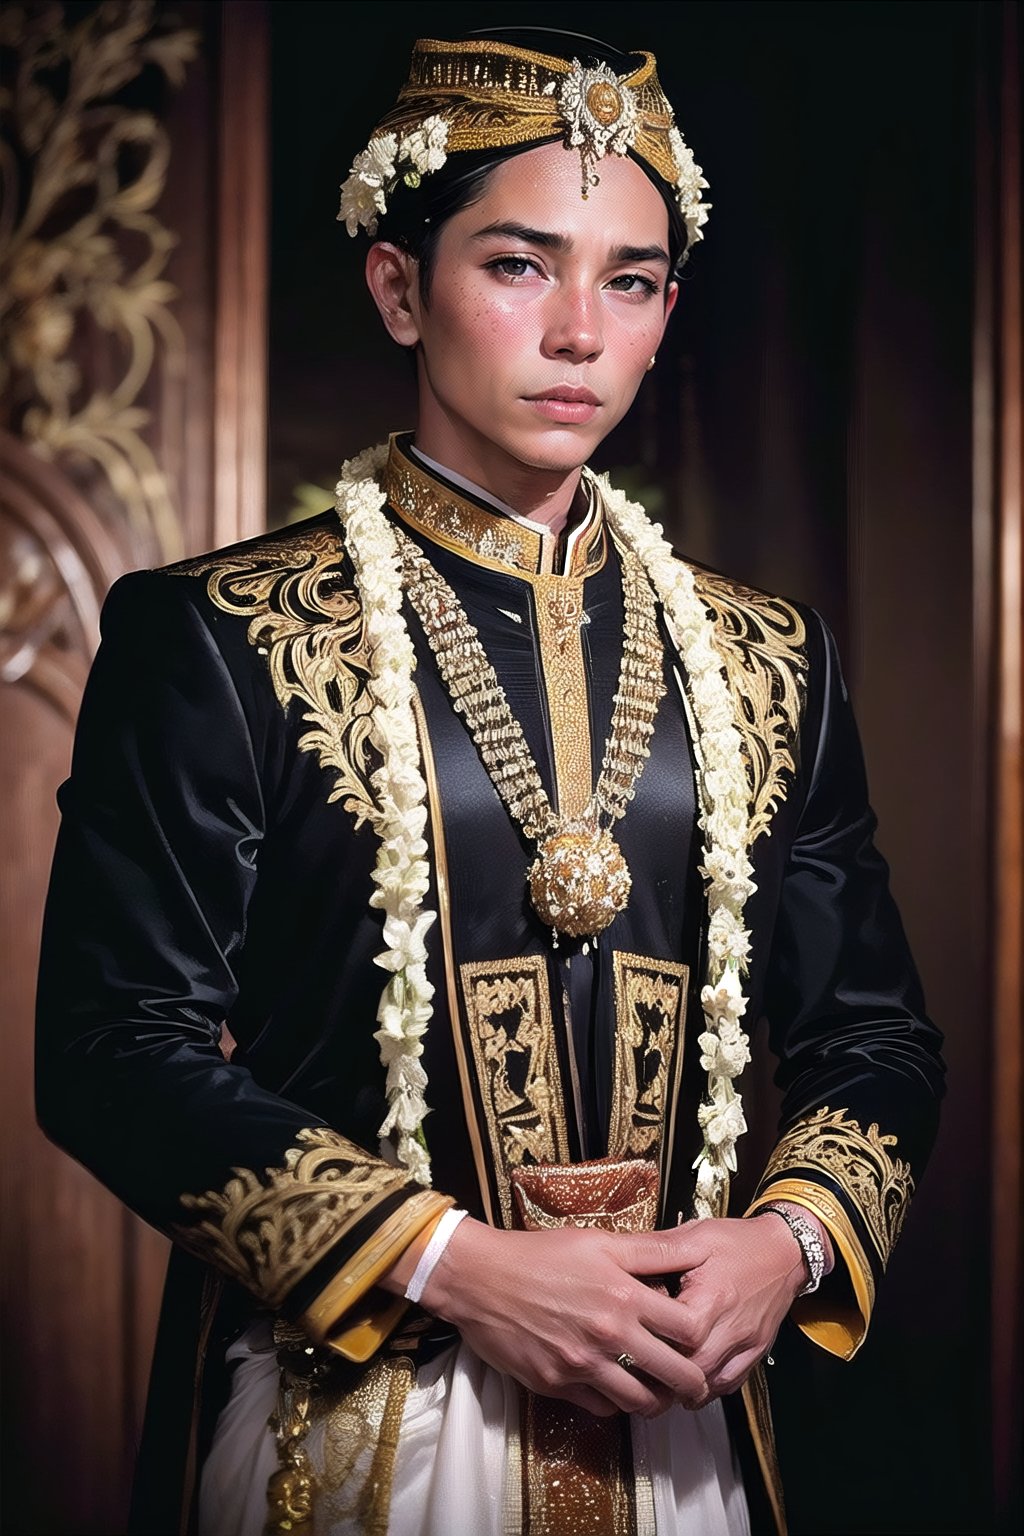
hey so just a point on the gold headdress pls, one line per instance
(480, 95)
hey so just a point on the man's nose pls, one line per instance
(574, 329)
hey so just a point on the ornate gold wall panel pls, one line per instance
(84, 300)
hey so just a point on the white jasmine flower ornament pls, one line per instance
(425, 146)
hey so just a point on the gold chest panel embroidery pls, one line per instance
(878, 1185)
(650, 1014)
(511, 1035)
(508, 1011)
(761, 641)
(305, 617)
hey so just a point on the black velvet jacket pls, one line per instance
(213, 869)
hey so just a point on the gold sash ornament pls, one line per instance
(577, 1471)
(614, 1194)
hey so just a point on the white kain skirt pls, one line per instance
(455, 1468)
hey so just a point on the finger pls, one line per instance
(731, 1376)
(724, 1343)
(590, 1400)
(663, 1253)
(629, 1391)
(678, 1373)
(663, 1316)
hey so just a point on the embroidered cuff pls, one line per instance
(837, 1316)
(272, 1230)
(860, 1193)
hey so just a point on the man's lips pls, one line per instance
(566, 403)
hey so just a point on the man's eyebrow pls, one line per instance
(542, 237)
(551, 241)
(627, 253)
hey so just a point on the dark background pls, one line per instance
(808, 429)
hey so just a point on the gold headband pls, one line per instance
(485, 95)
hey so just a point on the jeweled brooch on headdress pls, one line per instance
(487, 95)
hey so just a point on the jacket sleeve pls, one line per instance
(859, 1062)
(156, 863)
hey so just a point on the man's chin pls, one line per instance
(557, 452)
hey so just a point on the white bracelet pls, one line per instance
(439, 1240)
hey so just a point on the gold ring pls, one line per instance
(626, 1361)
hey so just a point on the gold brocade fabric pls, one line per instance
(494, 95)
(337, 1433)
(577, 1471)
(607, 1193)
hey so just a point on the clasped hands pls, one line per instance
(557, 1310)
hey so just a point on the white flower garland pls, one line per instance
(690, 182)
(722, 813)
(402, 874)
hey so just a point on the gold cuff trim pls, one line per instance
(877, 1185)
(354, 1279)
(839, 1330)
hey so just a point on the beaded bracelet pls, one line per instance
(811, 1245)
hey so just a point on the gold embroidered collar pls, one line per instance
(482, 534)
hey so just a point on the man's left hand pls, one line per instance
(739, 1278)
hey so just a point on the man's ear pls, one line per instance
(392, 276)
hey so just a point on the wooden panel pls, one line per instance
(72, 1332)
(127, 463)
(1004, 448)
(240, 355)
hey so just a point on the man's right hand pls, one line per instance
(555, 1309)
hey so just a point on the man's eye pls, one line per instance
(512, 266)
(634, 282)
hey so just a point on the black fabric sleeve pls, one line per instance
(155, 866)
(859, 1060)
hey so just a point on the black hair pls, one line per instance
(417, 215)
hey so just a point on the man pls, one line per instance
(479, 737)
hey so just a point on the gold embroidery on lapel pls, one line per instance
(761, 640)
(268, 1229)
(878, 1186)
(510, 1029)
(305, 617)
(559, 609)
(650, 1014)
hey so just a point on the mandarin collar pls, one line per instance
(482, 533)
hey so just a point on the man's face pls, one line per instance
(543, 314)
